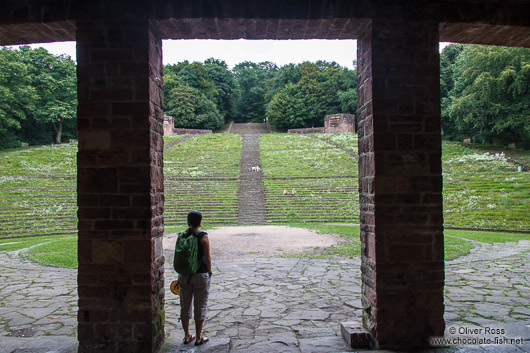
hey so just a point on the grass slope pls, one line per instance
(38, 189)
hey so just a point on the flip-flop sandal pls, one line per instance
(188, 341)
(203, 340)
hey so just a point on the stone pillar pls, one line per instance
(120, 187)
(400, 183)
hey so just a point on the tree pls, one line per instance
(287, 108)
(54, 80)
(226, 86)
(490, 97)
(191, 109)
(17, 97)
(253, 82)
(195, 75)
(317, 89)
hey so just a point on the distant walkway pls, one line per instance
(249, 128)
(276, 304)
(251, 195)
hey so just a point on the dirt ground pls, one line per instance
(258, 241)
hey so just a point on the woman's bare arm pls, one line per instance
(205, 241)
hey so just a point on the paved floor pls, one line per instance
(279, 305)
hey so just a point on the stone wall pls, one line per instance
(309, 130)
(170, 129)
(335, 123)
(339, 123)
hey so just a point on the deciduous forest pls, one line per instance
(485, 94)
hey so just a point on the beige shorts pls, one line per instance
(196, 289)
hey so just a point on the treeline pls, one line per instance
(38, 97)
(485, 93)
(208, 95)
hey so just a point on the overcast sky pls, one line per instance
(233, 52)
(281, 52)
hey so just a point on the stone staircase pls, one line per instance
(251, 191)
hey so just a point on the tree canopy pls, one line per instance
(38, 96)
(486, 93)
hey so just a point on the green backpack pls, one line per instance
(186, 261)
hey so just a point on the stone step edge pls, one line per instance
(355, 335)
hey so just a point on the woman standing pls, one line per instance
(196, 287)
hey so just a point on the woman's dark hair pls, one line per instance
(194, 218)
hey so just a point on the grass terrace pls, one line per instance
(202, 173)
(484, 191)
(323, 176)
(38, 191)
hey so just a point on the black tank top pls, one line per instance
(200, 255)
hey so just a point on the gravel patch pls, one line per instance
(259, 241)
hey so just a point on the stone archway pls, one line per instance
(120, 143)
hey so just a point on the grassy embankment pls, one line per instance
(38, 190)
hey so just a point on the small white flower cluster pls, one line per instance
(481, 158)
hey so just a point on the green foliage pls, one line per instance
(54, 79)
(287, 109)
(310, 92)
(487, 93)
(226, 87)
(253, 83)
(200, 96)
(191, 109)
(17, 96)
(38, 97)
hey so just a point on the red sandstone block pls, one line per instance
(133, 109)
(87, 72)
(144, 224)
(134, 188)
(115, 200)
(90, 213)
(112, 158)
(87, 279)
(85, 332)
(141, 200)
(107, 252)
(131, 213)
(426, 183)
(432, 198)
(111, 332)
(114, 224)
(85, 252)
(86, 159)
(136, 291)
(385, 141)
(94, 291)
(94, 139)
(435, 163)
(115, 54)
(91, 110)
(103, 180)
(137, 251)
(134, 174)
(405, 142)
(85, 225)
(406, 254)
(108, 123)
(156, 222)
